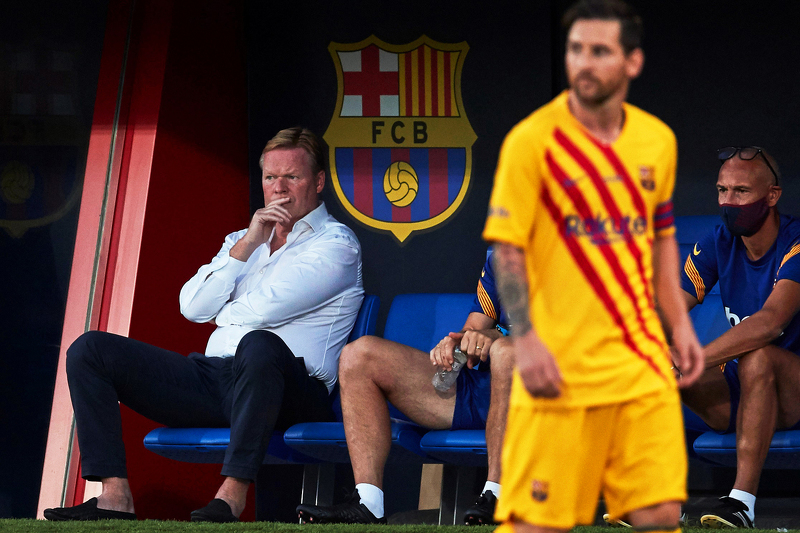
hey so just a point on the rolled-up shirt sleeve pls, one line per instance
(316, 276)
(205, 294)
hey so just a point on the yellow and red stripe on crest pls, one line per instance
(426, 83)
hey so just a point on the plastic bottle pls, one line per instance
(444, 379)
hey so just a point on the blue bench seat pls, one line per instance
(784, 450)
(208, 445)
(460, 447)
(325, 441)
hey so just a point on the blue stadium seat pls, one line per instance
(461, 447)
(208, 445)
(784, 450)
(326, 442)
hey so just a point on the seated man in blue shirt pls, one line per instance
(373, 370)
(284, 294)
(755, 258)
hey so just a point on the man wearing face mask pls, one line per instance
(751, 385)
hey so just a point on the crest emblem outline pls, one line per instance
(424, 120)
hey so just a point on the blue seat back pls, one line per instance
(367, 318)
(422, 320)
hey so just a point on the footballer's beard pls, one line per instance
(597, 93)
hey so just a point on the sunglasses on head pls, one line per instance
(746, 153)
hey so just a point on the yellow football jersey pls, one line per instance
(586, 214)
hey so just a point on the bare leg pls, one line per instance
(116, 495)
(770, 381)
(372, 370)
(234, 491)
(502, 355)
(710, 399)
(665, 515)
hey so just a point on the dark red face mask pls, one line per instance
(745, 220)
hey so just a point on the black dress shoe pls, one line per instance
(216, 511)
(86, 511)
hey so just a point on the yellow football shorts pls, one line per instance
(557, 460)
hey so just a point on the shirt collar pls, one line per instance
(315, 219)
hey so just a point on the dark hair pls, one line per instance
(631, 27)
(297, 138)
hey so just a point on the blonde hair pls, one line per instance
(297, 137)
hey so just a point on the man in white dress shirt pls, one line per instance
(284, 294)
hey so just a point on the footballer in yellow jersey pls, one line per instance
(581, 218)
(588, 245)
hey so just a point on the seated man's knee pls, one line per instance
(757, 366)
(260, 348)
(359, 357)
(85, 350)
(502, 354)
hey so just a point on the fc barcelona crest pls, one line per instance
(400, 141)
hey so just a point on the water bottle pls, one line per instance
(444, 379)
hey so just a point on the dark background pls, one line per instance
(718, 72)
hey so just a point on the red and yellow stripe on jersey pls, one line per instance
(586, 214)
(792, 252)
(486, 302)
(695, 277)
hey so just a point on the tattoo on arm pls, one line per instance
(512, 283)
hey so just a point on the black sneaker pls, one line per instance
(351, 511)
(482, 511)
(729, 512)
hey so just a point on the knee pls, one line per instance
(757, 366)
(260, 350)
(358, 357)
(85, 351)
(502, 354)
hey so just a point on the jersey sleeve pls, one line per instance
(790, 264)
(663, 219)
(486, 299)
(517, 185)
(700, 271)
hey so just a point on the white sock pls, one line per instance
(372, 497)
(748, 499)
(492, 486)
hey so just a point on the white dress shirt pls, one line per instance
(308, 293)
